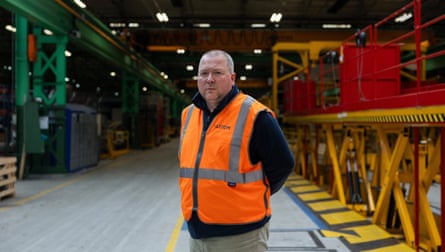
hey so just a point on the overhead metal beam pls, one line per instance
(242, 40)
(88, 32)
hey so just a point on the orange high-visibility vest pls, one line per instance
(217, 178)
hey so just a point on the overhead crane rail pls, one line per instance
(366, 121)
(64, 17)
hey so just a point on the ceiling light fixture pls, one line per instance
(116, 25)
(336, 26)
(162, 17)
(80, 4)
(257, 25)
(164, 75)
(47, 32)
(10, 28)
(133, 25)
(248, 67)
(257, 51)
(276, 17)
(404, 17)
(202, 25)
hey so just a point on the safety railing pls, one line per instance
(373, 65)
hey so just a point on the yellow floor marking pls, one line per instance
(334, 234)
(326, 205)
(363, 235)
(367, 234)
(295, 176)
(297, 182)
(360, 234)
(399, 248)
(49, 190)
(307, 188)
(175, 234)
(314, 196)
(342, 217)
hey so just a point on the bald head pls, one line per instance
(215, 53)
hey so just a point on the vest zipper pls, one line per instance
(196, 171)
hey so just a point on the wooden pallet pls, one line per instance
(8, 170)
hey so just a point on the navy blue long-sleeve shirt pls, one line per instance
(267, 145)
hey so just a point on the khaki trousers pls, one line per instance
(253, 241)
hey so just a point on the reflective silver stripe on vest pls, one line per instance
(205, 173)
(237, 138)
(186, 124)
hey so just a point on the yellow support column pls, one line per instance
(390, 160)
(338, 184)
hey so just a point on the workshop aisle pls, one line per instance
(128, 204)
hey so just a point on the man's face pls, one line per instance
(214, 78)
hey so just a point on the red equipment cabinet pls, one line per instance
(369, 73)
(299, 96)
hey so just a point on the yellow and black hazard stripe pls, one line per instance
(356, 231)
(405, 116)
(408, 118)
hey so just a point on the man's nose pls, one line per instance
(209, 77)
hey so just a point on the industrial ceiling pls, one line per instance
(240, 14)
(230, 28)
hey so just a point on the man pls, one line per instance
(232, 157)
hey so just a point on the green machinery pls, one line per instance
(49, 72)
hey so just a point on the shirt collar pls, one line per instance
(199, 101)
